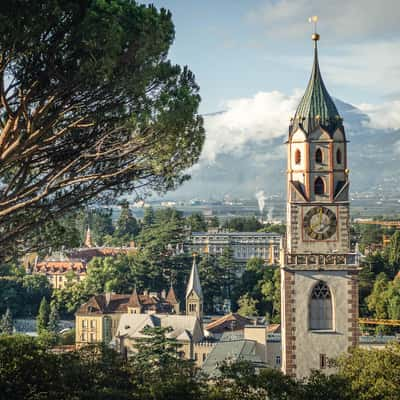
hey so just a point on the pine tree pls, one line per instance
(394, 249)
(148, 218)
(42, 319)
(126, 224)
(6, 323)
(54, 319)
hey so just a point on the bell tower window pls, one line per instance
(339, 156)
(319, 186)
(318, 156)
(297, 156)
(321, 307)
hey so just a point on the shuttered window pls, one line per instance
(321, 307)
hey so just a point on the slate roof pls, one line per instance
(243, 350)
(316, 107)
(194, 281)
(184, 327)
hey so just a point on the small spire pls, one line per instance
(194, 280)
(171, 297)
(134, 300)
(88, 238)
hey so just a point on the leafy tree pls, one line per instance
(214, 222)
(373, 373)
(393, 299)
(42, 319)
(377, 301)
(91, 107)
(6, 323)
(197, 222)
(127, 227)
(247, 306)
(243, 224)
(54, 318)
(274, 228)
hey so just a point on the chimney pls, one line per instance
(145, 292)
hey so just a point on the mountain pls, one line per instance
(373, 154)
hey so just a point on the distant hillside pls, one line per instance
(374, 160)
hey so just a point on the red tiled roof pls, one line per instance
(57, 267)
(231, 322)
(274, 328)
(171, 297)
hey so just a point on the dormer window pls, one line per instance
(297, 156)
(338, 157)
(318, 156)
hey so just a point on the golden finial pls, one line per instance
(313, 20)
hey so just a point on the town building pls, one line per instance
(319, 283)
(71, 265)
(245, 245)
(97, 320)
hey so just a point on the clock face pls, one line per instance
(320, 223)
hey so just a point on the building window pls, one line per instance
(318, 156)
(321, 307)
(84, 337)
(319, 186)
(278, 360)
(339, 156)
(192, 307)
(93, 323)
(204, 357)
(297, 156)
(196, 357)
(322, 361)
(84, 323)
(92, 337)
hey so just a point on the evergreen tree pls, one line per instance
(214, 222)
(54, 318)
(6, 323)
(227, 264)
(127, 226)
(148, 218)
(197, 222)
(42, 319)
(394, 249)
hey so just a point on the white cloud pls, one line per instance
(339, 18)
(383, 116)
(248, 120)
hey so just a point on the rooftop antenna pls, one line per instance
(313, 20)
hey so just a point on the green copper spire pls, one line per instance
(316, 107)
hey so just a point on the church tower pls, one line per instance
(194, 294)
(319, 284)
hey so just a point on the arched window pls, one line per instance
(339, 156)
(319, 186)
(318, 156)
(297, 157)
(321, 307)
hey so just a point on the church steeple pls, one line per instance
(316, 107)
(194, 294)
(88, 238)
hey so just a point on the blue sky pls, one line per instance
(238, 48)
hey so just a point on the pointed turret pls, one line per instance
(88, 238)
(171, 298)
(316, 107)
(134, 306)
(194, 294)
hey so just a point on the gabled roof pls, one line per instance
(229, 322)
(194, 281)
(316, 107)
(235, 350)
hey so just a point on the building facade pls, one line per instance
(319, 284)
(97, 320)
(245, 245)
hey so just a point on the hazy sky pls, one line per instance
(238, 48)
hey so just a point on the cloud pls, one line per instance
(246, 121)
(340, 18)
(382, 116)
